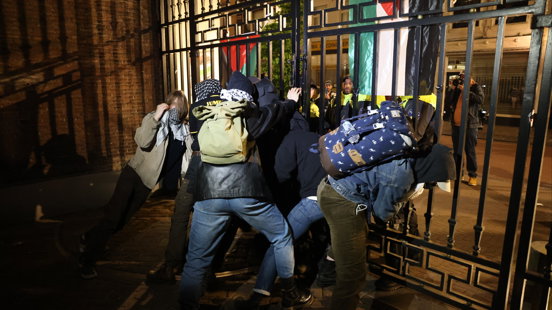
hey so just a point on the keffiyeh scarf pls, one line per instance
(235, 95)
(179, 130)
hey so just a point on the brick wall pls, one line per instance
(76, 78)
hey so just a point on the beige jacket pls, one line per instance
(149, 158)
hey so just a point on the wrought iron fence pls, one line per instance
(394, 49)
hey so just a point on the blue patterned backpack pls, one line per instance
(366, 140)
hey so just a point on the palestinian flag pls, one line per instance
(235, 56)
(405, 57)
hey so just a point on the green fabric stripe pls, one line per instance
(364, 83)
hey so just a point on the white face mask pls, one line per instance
(173, 117)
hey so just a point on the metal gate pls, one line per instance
(400, 48)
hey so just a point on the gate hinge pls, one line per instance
(541, 21)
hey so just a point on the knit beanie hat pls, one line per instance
(207, 89)
(267, 92)
(239, 88)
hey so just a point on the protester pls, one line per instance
(296, 158)
(207, 93)
(163, 138)
(474, 101)
(239, 188)
(350, 104)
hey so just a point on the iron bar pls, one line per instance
(396, 42)
(212, 56)
(537, 8)
(246, 64)
(244, 41)
(478, 227)
(282, 60)
(375, 56)
(193, 51)
(501, 296)
(306, 52)
(321, 79)
(416, 64)
(356, 57)
(322, 92)
(441, 87)
(270, 60)
(295, 42)
(338, 72)
(238, 56)
(533, 180)
(461, 143)
(259, 67)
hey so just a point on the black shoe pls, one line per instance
(87, 270)
(292, 296)
(83, 247)
(164, 274)
(326, 274)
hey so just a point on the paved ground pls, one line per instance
(38, 260)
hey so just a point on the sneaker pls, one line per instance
(326, 274)
(87, 270)
(472, 181)
(164, 274)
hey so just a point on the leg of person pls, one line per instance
(471, 158)
(300, 218)
(348, 235)
(178, 234)
(266, 218)
(457, 153)
(129, 194)
(209, 223)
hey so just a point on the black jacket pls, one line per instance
(246, 179)
(298, 157)
(475, 101)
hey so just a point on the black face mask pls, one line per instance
(173, 117)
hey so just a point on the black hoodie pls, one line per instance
(298, 157)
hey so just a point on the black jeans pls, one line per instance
(177, 246)
(348, 230)
(129, 195)
(469, 148)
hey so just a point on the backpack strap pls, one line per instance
(226, 109)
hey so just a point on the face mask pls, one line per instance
(173, 117)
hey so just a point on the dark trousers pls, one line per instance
(177, 246)
(469, 148)
(348, 232)
(129, 195)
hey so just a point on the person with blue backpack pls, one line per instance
(374, 162)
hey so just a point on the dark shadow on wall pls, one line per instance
(63, 86)
(59, 157)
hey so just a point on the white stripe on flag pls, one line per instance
(386, 43)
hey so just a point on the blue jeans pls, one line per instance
(209, 222)
(300, 218)
(380, 188)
